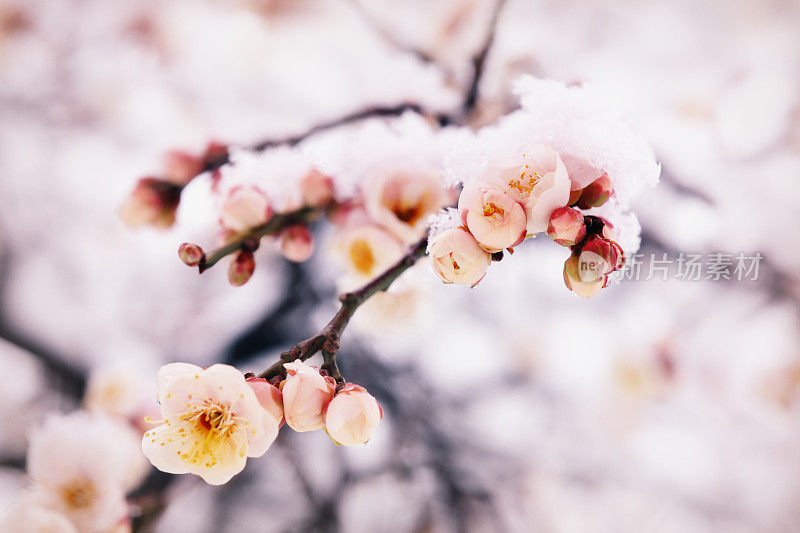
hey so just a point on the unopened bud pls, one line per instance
(191, 254)
(215, 154)
(352, 416)
(599, 257)
(245, 208)
(596, 193)
(152, 202)
(566, 226)
(574, 196)
(306, 393)
(316, 189)
(296, 243)
(181, 167)
(242, 268)
(574, 282)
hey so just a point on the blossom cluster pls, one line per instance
(81, 465)
(562, 165)
(507, 205)
(214, 418)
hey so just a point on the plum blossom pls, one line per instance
(244, 208)
(180, 167)
(241, 268)
(305, 394)
(152, 202)
(566, 226)
(81, 465)
(364, 251)
(296, 243)
(402, 201)
(540, 183)
(495, 219)
(456, 257)
(29, 515)
(121, 390)
(316, 189)
(352, 416)
(212, 422)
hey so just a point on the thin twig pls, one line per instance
(327, 340)
(223, 158)
(251, 239)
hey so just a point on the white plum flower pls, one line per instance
(212, 422)
(119, 390)
(402, 201)
(29, 515)
(81, 465)
(366, 250)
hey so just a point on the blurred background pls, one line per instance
(657, 406)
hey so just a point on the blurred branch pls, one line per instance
(327, 340)
(479, 62)
(387, 36)
(223, 157)
(683, 189)
(70, 379)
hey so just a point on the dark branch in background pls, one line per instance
(685, 190)
(327, 340)
(292, 140)
(275, 328)
(387, 36)
(69, 378)
(479, 62)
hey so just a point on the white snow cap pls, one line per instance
(356, 155)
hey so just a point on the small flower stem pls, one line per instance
(274, 226)
(327, 340)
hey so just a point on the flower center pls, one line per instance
(526, 182)
(79, 494)
(492, 210)
(362, 257)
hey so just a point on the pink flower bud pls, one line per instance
(215, 154)
(495, 219)
(566, 226)
(306, 393)
(269, 396)
(245, 208)
(191, 254)
(596, 193)
(573, 281)
(152, 201)
(296, 243)
(599, 257)
(456, 257)
(242, 268)
(181, 167)
(352, 416)
(316, 189)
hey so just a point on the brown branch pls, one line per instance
(327, 340)
(251, 239)
(223, 158)
(479, 61)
